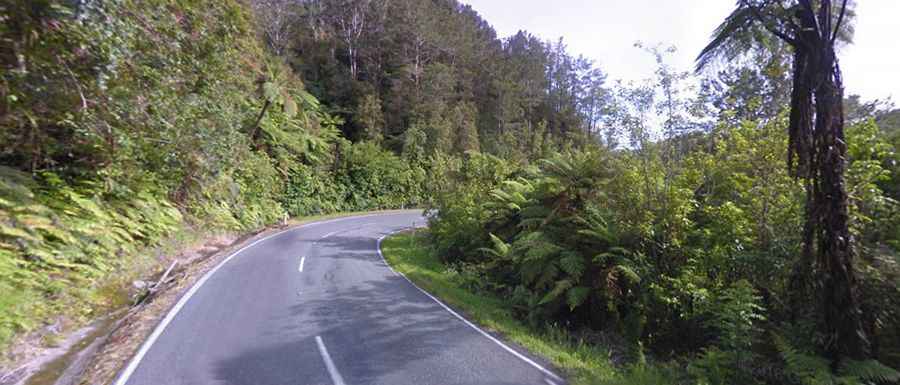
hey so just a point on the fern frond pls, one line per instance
(548, 274)
(576, 296)
(809, 369)
(628, 273)
(560, 288)
(869, 371)
(500, 248)
(724, 36)
(572, 264)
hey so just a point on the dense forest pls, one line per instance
(738, 223)
(399, 70)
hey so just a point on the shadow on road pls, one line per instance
(378, 329)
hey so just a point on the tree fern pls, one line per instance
(572, 264)
(576, 296)
(868, 371)
(548, 275)
(560, 288)
(815, 370)
(500, 248)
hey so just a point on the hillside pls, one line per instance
(127, 124)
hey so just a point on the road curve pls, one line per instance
(317, 305)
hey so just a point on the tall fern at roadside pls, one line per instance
(58, 245)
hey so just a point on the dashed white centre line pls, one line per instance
(329, 234)
(332, 370)
(302, 260)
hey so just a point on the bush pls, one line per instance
(688, 257)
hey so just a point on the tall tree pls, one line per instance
(276, 19)
(816, 150)
(352, 18)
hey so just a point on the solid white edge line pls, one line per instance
(463, 319)
(329, 364)
(302, 260)
(125, 375)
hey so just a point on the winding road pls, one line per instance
(317, 305)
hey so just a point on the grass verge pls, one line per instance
(580, 362)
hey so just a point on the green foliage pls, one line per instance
(392, 67)
(455, 186)
(689, 256)
(641, 374)
(363, 176)
(123, 122)
(876, 215)
(736, 314)
(379, 179)
(550, 245)
(370, 119)
(813, 370)
(300, 130)
(62, 241)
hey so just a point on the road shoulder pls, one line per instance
(408, 254)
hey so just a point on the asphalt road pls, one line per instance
(317, 305)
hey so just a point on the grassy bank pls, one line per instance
(580, 362)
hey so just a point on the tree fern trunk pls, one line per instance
(257, 129)
(841, 311)
(817, 153)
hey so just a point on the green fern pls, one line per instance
(814, 370)
(500, 249)
(868, 371)
(559, 289)
(576, 296)
(572, 264)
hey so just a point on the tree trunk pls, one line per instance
(818, 154)
(257, 129)
(840, 302)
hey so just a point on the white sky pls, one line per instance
(606, 30)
